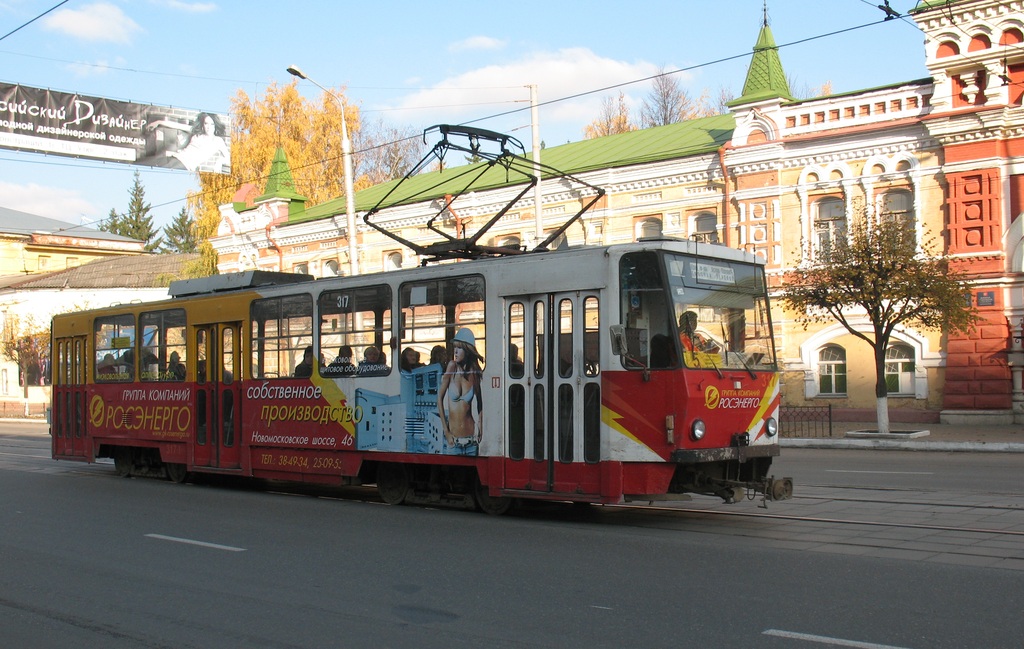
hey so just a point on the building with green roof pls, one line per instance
(777, 176)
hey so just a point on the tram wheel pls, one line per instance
(176, 472)
(392, 483)
(123, 462)
(488, 504)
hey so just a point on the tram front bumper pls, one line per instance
(723, 454)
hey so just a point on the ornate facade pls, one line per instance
(780, 177)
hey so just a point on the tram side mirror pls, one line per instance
(618, 334)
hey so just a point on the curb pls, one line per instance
(901, 445)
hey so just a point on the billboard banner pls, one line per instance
(78, 126)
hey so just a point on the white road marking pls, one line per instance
(204, 544)
(823, 639)
(882, 472)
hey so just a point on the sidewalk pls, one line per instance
(940, 437)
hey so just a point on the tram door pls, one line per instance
(67, 418)
(217, 400)
(553, 396)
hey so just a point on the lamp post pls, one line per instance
(346, 155)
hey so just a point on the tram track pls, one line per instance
(824, 520)
(368, 495)
(921, 503)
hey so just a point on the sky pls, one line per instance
(414, 64)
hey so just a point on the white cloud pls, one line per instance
(100, 21)
(51, 202)
(477, 43)
(500, 88)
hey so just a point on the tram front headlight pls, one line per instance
(772, 427)
(697, 429)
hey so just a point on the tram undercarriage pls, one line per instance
(731, 480)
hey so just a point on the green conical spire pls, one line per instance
(765, 78)
(279, 181)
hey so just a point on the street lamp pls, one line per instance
(346, 155)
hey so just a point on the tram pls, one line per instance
(601, 374)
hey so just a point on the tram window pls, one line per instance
(592, 422)
(354, 331)
(538, 341)
(591, 337)
(565, 348)
(433, 312)
(646, 312)
(516, 339)
(566, 440)
(517, 421)
(163, 343)
(282, 327)
(539, 421)
(115, 348)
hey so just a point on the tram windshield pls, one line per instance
(695, 312)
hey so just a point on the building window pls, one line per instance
(832, 371)
(705, 227)
(392, 260)
(899, 205)
(301, 269)
(829, 224)
(648, 228)
(71, 262)
(43, 263)
(330, 268)
(899, 369)
(510, 242)
(559, 243)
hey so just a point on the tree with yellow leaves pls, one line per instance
(614, 118)
(310, 133)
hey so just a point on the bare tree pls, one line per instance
(614, 118)
(386, 151)
(667, 102)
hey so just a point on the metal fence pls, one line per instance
(805, 421)
(19, 409)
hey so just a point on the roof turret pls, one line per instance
(765, 77)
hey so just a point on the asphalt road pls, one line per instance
(92, 560)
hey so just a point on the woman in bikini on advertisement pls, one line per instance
(460, 385)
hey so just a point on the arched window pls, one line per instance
(301, 269)
(898, 204)
(560, 242)
(829, 224)
(392, 260)
(947, 48)
(510, 242)
(705, 227)
(832, 370)
(649, 228)
(330, 268)
(899, 369)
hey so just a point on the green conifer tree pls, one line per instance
(137, 223)
(180, 234)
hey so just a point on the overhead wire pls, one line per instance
(488, 117)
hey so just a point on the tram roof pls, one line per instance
(690, 138)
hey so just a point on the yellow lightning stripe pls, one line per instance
(766, 400)
(611, 419)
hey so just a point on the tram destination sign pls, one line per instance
(79, 126)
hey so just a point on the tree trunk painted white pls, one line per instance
(882, 414)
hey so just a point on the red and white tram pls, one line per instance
(601, 374)
(596, 374)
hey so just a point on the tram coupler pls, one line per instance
(779, 488)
